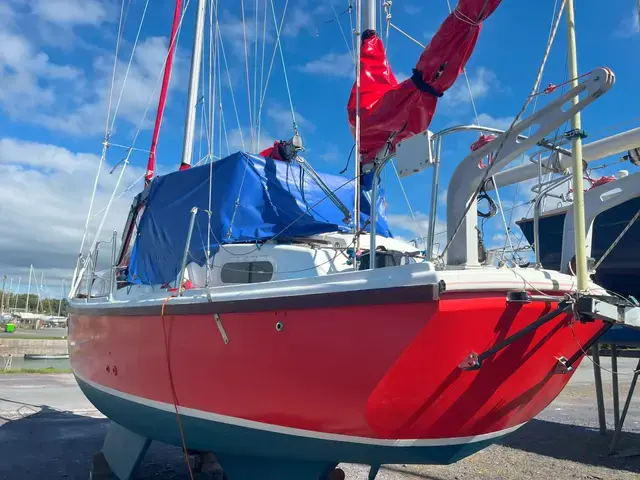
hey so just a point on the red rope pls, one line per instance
(173, 388)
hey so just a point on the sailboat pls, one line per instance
(611, 203)
(252, 313)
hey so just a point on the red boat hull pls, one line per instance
(369, 372)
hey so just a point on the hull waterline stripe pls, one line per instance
(334, 437)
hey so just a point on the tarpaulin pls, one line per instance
(252, 199)
(392, 111)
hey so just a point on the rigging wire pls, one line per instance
(105, 145)
(387, 9)
(273, 56)
(406, 198)
(466, 77)
(504, 220)
(617, 240)
(515, 120)
(233, 98)
(264, 43)
(125, 160)
(344, 36)
(244, 174)
(549, 173)
(211, 81)
(353, 37)
(222, 122)
(135, 182)
(294, 221)
(126, 74)
(246, 65)
(394, 26)
(586, 354)
(284, 70)
(255, 72)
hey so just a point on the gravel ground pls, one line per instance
(57, 440)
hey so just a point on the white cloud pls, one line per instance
(486, 120)
(281, 115)
(629, 26)
(333, 155)
(498, 238)
(412, 9)
(240, 140)
(69, 13)
(331, 65)
(481, 82)
(54, 22)
(66, 98)
(44, 197)
(235, 33)
(442, 197)
(300, 20)
(401, 76)
(419, 227)
(78, 105)
(28, 77)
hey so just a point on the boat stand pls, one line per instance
(618, 419)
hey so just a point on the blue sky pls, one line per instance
(55, 69)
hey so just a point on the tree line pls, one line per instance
(48, 306)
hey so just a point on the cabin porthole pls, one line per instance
(279, 326)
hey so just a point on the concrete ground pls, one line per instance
(49, 430)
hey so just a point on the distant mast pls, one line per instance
(194, 77)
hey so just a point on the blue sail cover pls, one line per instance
(252, 199)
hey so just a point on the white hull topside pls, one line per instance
(339, 278)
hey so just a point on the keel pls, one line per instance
(123, 451)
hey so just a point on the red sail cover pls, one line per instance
(405, 109)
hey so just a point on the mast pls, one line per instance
(368, 12)
(194, 77)
(39, 289)
(61, 297)
(15, 304)
(576, 149)
(28, 290)
(4, 281)
(10, 293)
(151, 163)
